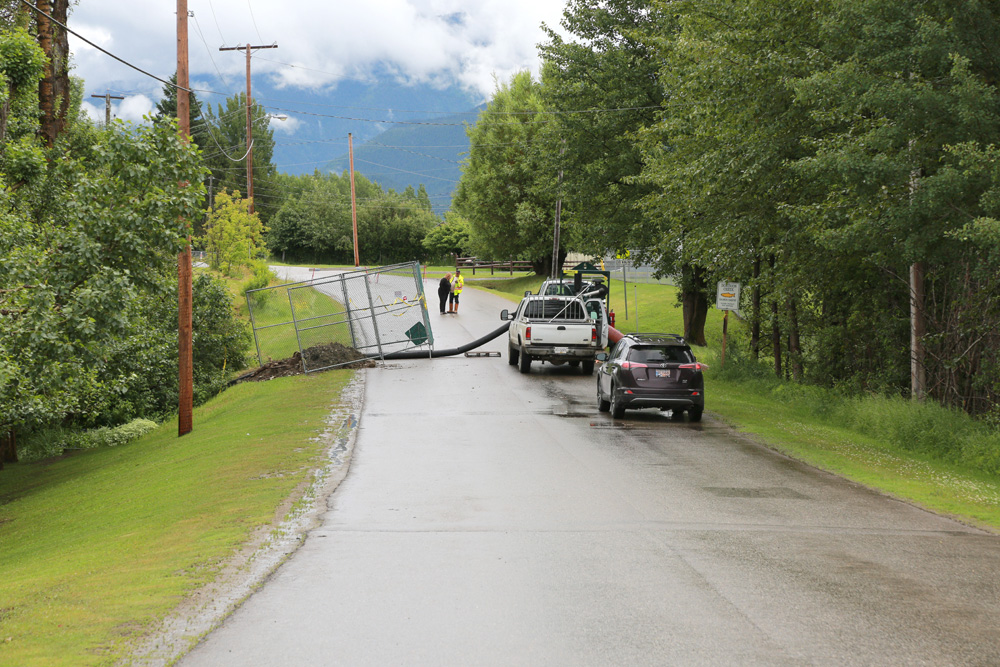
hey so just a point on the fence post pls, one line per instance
(298, 338)
(371, 308)
(253, 325)
(424, 312)
(347, 309)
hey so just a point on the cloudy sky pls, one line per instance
(322, 45)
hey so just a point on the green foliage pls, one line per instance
(233, 236)
(315, 221)
(21, 60)
(223, 137)
(260, 278)
(83, 245)
(55, 440)
(601, 75)
(506, 193)
(448, 238)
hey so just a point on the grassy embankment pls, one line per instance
(98, 546)
(929, 455)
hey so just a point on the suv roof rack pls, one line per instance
(673, 338)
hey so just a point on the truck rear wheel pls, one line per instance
(511, 355)
(524, 362)
(587, 366)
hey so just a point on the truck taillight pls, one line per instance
(527, 333)
(593, 333)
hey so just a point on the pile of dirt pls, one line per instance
(317, 356)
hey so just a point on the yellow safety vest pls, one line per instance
(458, 284)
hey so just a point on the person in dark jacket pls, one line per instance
(444, 289)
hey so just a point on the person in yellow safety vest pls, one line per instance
(456, 288)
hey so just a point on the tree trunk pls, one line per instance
(794, 350)
(755, 300)
(695, 305)
(918, 325)
(8, 447)
(776, 338)
(54, 88)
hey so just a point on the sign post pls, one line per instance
(727, 297)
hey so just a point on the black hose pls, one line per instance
(424, 354)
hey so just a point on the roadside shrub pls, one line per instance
(55, 440)
(260, 278)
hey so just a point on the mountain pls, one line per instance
(427, 153)
(403, 134)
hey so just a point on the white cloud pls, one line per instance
(445, 42)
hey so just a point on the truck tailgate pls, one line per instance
(569, 333)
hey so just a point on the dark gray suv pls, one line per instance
(651, 371)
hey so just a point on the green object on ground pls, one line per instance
(417, 334)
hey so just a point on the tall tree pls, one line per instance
(54, 92)
(225, 151)
(505, 192)
(166, 109)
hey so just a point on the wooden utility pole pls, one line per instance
(107, 105)
(185, 394)
(354, 203)
(249, 48)
(556, 269)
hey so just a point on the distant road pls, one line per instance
(494, 518)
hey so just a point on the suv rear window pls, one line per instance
(660, 354)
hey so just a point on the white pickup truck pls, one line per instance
(556, 329)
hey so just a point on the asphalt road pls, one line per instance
(493, 518)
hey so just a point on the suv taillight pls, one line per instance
(627, 365)
(695, 366)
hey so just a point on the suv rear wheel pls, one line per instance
(694, 414)
(617, 407)
(602, 405)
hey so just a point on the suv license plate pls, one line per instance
(562, 350)
(663, 374)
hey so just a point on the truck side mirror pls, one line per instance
(505, 315)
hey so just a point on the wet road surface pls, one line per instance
(493, 518)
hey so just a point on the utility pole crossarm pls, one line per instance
(107, 97)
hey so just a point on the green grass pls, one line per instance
(98, 546)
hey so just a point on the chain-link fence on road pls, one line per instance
(375, 311)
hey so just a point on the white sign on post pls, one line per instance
(728, 296)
